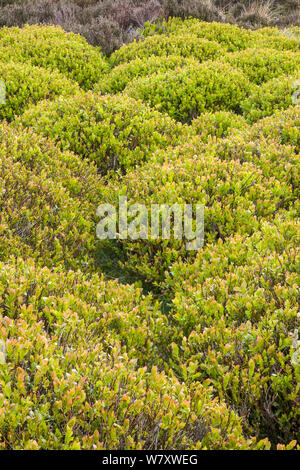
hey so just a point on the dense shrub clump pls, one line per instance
(237, 196)
(212, 86)
(43, 46)
(217, 125)
(110, 24)
(141, 342)
(272, 158)
(276, 94)
(230, 37)
(235, 311)
(274, 38)
(282, 126)
(113, 131)
(65, 369)
(120, 76)
(185, 46)
(260, 65)
(26, 84)
(48, 201)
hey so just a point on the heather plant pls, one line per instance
(109, 24)
(203, 9)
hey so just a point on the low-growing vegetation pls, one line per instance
(113, 131)
(26, 84)
(275, 94)
(47, 201)
(212, 86)
(185, 46)
(120, 76)
(52, 48)
(141, 343)
(110, 24)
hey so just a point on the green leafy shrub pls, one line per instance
(218, 125)
(110, 24)
(280, 161)
(276, 94)
(213, 86)
(119, 311)
(234, 314)
(69, 384)
(232, 37)
(271, 145)
(51, 47)
(185, 46)
(26, 85)
(261, 65)
(294, 31)
(104, 23)
(229, 36)
(120, 76)
(236, 195)
(48, 201)
(113, 131)
(211, 357)
(283, 126)
(274, 38)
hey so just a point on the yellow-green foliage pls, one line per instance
(276, 39)
(68, 383)
(237, 196)
(293, 31)
(51, 47)
(26, 84)
(185, 46)
(235, 311)
(273, 95)
(229, 36)
(209, 358)
(282, 126)
(260, 65)
(274, 159)
(114, 131)
(212, 86)
(217, 125)
(119, 77)
(241, 180)
(47, 198)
